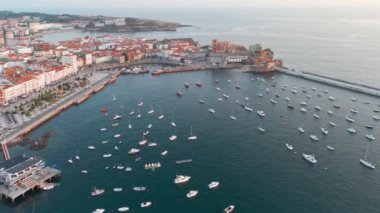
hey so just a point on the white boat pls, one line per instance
(354, 99)
(115, 124)
(287, 99)
(107, 155)
(161, 116)
(225, 95)
(47, 187)
(99, 211)
(273, 101)
(138, 114)
(132, 112)
(314, 137)
(143, 141)
(220, 99)
(192, 194)
(180, 179)
(164, 153)
(218, 89)
(326, 91)
(173, 124)
(129, 126)
(290, 147)
(309, 158)
(96, 192)
(145, 133)
(351, 130)
(150, 126)
(248, 109)
(152, 166)
(376, 117)
(316, 116)
(213, 185)
(152, 144)
(151, 111)
(303, 110)
(332, 123)
(146, 204)
(229, 209)
(117, 117)
(246, 98)
(104, 142)
(350, 119)
(139, 188)
(233, 117)
(324, 131)
(114, 97)
(91, 147)
(140, 103)
(261, 129)
(330, 148)
(317, 108)
(313, 88)
(294, 91)
(201, 101)
(173, 137)
(267, 90)
(229, 81)
(192, 137)
(308, 96)
(117, 136)
(260, 95)
(116, 148)
(330, 112)
(364, 160)
(103, 129)
(368, 126)
(355, 111)
(84, 171)
(301, 130)
(117, 189)
(370, 137)
(211, 111)
(128, 169)
(77, 157)
(331, 98)
(123, 209)
(70, 161)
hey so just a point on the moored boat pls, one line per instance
(309, 158)
(213, 185)
(229, 209)
(97, 192)
(181, 179)
(192, 194)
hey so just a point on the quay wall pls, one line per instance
(360, 88)
(51, 113)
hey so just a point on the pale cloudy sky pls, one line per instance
(22, 4)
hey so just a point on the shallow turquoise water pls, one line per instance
(256, 171)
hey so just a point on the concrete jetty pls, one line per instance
(368, 90)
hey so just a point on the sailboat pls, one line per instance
(246, 107)
(140, 103)
(364, 160)
(192, 137)
(260, 128)
(151, 111)
(161, 116)
(138, 114)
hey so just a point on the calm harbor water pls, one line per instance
(256, 171)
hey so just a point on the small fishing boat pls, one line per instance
(117, 189)
(261, 129)
(288, 146)
(330, 148)
(199, 84)
(192, 137)
(139, 188)
(181, 179)
(201, 101)
(229, 209)
(309, 158)
(212, 111)
(164, 153)
(117, 136)
(330, 112)
(131, 112)
(218, 88)
(146, 204)
(99, 211)
(187, 85)
(133, 151)
(303, 110)
(351, 130)
(370, 137)
(97, 192)
(233, 117)
(84, 171)
(103, 129)
(273, 101)
(314, 138)
(91, 147)
(324, 131)
(225, 95)
(117, 117)
(179, 93)
(173, 137)
(350, 119)
(213, 185)
(332, 123)
(301, 130)
(316, 116)
(192, 194)
(123, 209)
(107, 155)
(152, 144)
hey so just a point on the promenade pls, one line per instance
(97, 81)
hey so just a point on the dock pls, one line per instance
(22, 174)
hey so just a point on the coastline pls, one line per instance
(76, 99)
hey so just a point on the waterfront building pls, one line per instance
(71, 59)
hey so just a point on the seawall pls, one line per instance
(373, 91)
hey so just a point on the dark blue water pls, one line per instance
(256, 171)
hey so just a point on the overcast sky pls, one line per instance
(32, 4)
